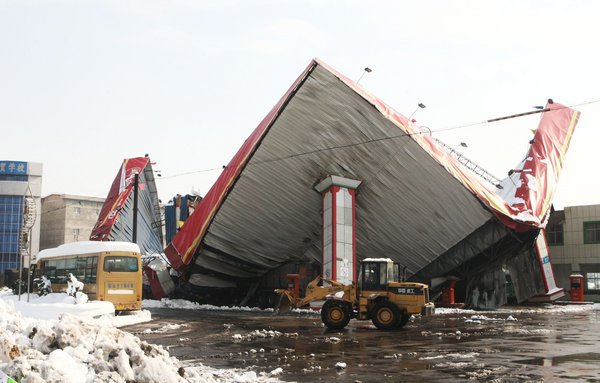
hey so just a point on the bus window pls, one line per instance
(61, 271)
(120, 263)
(70, 266)
(91, 269)
(80, 269)
(50, 271)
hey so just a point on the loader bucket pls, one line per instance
(285, 302)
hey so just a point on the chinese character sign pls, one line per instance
(13, 167)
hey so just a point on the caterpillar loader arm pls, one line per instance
(288, 301)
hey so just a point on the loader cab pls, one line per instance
(375, 274)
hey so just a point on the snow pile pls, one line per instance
(447, 310)
(72, 350)
(43, 284)
(525, 331)
(75, 289)
(51, 306)
(263, 334)
(547, 308)
(74, 286)
(189, 305)
(165, 328)
(468, 355)
(479, 319)
(456, 334)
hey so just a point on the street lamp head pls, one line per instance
(368, 70)
(421, 105)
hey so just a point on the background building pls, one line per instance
(68, 218)
(20, 206)
(573, 236)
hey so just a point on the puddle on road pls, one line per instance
(448, 347)
(592, 358)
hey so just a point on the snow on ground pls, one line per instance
(36, 347)
(165, 328)
(188, 305)
(263, 334)
(549, 308)
(49, 307)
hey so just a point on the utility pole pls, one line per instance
(135, 205)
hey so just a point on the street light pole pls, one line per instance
(135, 206)
(366, 70)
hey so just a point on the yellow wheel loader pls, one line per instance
(378, 297)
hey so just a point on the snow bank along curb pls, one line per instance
(75, 350)
(189, 305)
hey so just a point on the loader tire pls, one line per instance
(403, 320)
(335, 315)
(385, 316)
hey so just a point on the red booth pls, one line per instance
(576, 287)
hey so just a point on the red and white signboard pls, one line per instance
(117, 196)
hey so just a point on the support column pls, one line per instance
(552, 292)
(339, 228)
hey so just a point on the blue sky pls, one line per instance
(84, 84)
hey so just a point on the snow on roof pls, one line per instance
(377, 260)
(88, 247)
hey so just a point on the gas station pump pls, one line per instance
(448, 294)
(576, 287)
(293, 283)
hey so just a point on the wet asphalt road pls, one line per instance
(540, 345)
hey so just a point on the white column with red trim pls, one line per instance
(553, 292)
(339, 228)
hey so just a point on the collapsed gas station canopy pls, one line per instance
(116, 219)
(415, 204)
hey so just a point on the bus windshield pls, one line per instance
(120, 263)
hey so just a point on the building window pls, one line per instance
(13, 177)
(77, 210)
(96, 212)
(11, 216)
(591, 232)
(593, 281)
(554, 235)
(76, 232)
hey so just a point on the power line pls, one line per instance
(468, 125)
(404, 134)
(190, 172)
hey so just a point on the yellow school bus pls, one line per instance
(110, 271)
